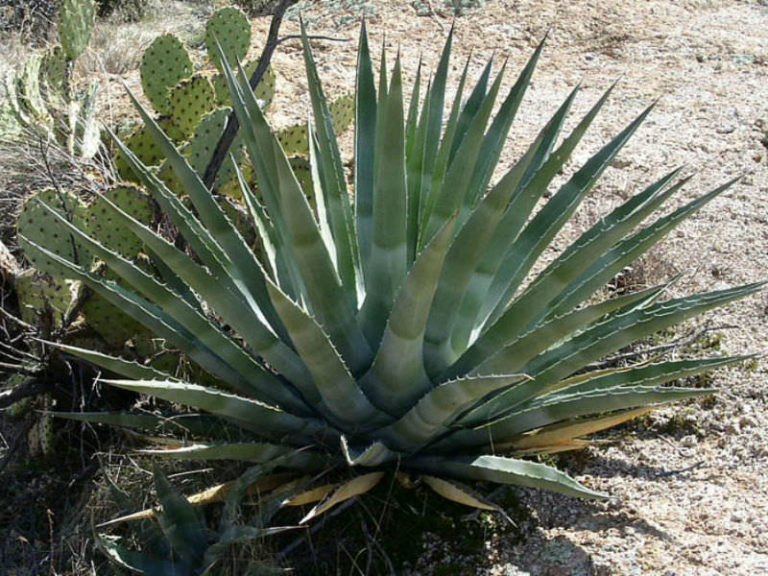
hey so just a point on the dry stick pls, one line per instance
(225, 142)
(21, 391)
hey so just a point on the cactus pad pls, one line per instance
(230, 26)
(141, 143)
(265, 90)
(113, 325)
(164, 64)
(76, 20)
(29, 89)
(54, 76)
(189, 101)
(101, 225)
(294, 138)
(40, 295)
(41, 227)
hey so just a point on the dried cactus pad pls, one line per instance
(41, 227)
(164, 64)
(53, 75)
(76, 20)
(265, 90)
(231, 28)
(29, 89)
(102, 225)
(189, 101)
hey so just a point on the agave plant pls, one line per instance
(395, 327)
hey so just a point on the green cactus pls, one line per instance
(142, 144)
(294, 138)
(76, 20)
(189, 101)
(30, 96)
(113, 325)
(98, 220)
(40, 295)
(230, 28)
(265, 90)
(41, 227)
(54, 76)
(165, 63)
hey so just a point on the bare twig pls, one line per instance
(21, 391)
(674, 345)
(225, 142)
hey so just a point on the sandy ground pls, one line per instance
(689, 488)
(688, 485)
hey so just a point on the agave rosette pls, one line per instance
(395, 327)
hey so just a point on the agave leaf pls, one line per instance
(290, 213)
(503, 470)
(646, 375)
(311, 496)
(444, 201)
(398, 376)
(487, 230)
(333, 191)
(138, 561)
(434, 413)
(516, 354)
(183, 528)
(388, 257)
(494, 140)
(562, 436)
(365, 133)
(250, 414)
(613, 261)
(433, 109)
(534, 184)
(539, 233)
(244, 271)
(260, 380)
(335, 392)
(183, 424)
(462, 494)
(560, 408)
(355, 487)
(373, 455)
(241, 451)
(127, 368)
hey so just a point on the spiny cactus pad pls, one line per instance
(265, 90)
(164, 64)
(142, 144)
(29, 88)
(41, 227)
(76, 20)
(294, 138)
(101, 225)
(189, 101)
(40, 294)
(54, 75)
(113, 325)
(230, 27)
(199, 150)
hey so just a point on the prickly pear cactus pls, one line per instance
(230, 28)
(29, 93)
(294, 138)
(189, 101)
(265, 89)
(141, 143)
(164, 64)
(101, 225)
(41, 227)
(109, 322)
(54, 76)
(42, 296)
(76, 20)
